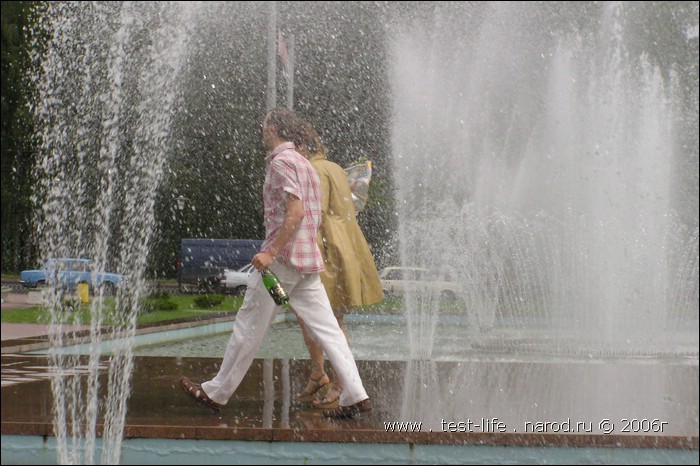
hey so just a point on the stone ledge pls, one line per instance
(373, 436)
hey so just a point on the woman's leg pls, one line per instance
(318, 377)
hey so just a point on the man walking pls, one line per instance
(292, 200)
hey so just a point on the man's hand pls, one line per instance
(262, 260)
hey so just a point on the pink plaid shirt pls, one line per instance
(289, 172)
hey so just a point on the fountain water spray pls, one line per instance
(536, 153)
(106, 82)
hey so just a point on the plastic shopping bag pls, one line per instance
(359, 177)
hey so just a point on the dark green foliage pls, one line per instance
(159, 295)
(16, 130)
(206, 301)
(158, 301)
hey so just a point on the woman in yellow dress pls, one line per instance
(350, 276)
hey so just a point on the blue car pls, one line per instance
(69, 273)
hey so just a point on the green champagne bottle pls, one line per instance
(272, 283)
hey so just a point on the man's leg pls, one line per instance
(252, 321)
(341, 323)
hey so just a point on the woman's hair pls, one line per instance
(308, 142)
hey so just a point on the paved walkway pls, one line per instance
(15, 301)
(496, 403)
(12, 331)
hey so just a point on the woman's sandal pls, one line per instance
(331, 399)
(195, 391)
(314, 388)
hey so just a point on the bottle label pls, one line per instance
(274, 287)
(278, 294)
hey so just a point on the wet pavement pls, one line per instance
(500, 403)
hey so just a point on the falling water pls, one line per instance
(106, 93)
(536, 153)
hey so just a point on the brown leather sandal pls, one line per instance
(331, 399)
(346, 412)
(195, 391)
(314, 388)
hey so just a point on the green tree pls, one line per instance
(18, 156)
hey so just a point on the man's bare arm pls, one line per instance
(293, 215)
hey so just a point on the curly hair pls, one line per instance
(308, 141)
(286, 123)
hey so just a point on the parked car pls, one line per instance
(396, 280)
(69, 272)
(236, 281)
(203, 260)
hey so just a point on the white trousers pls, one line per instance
(309, 300)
